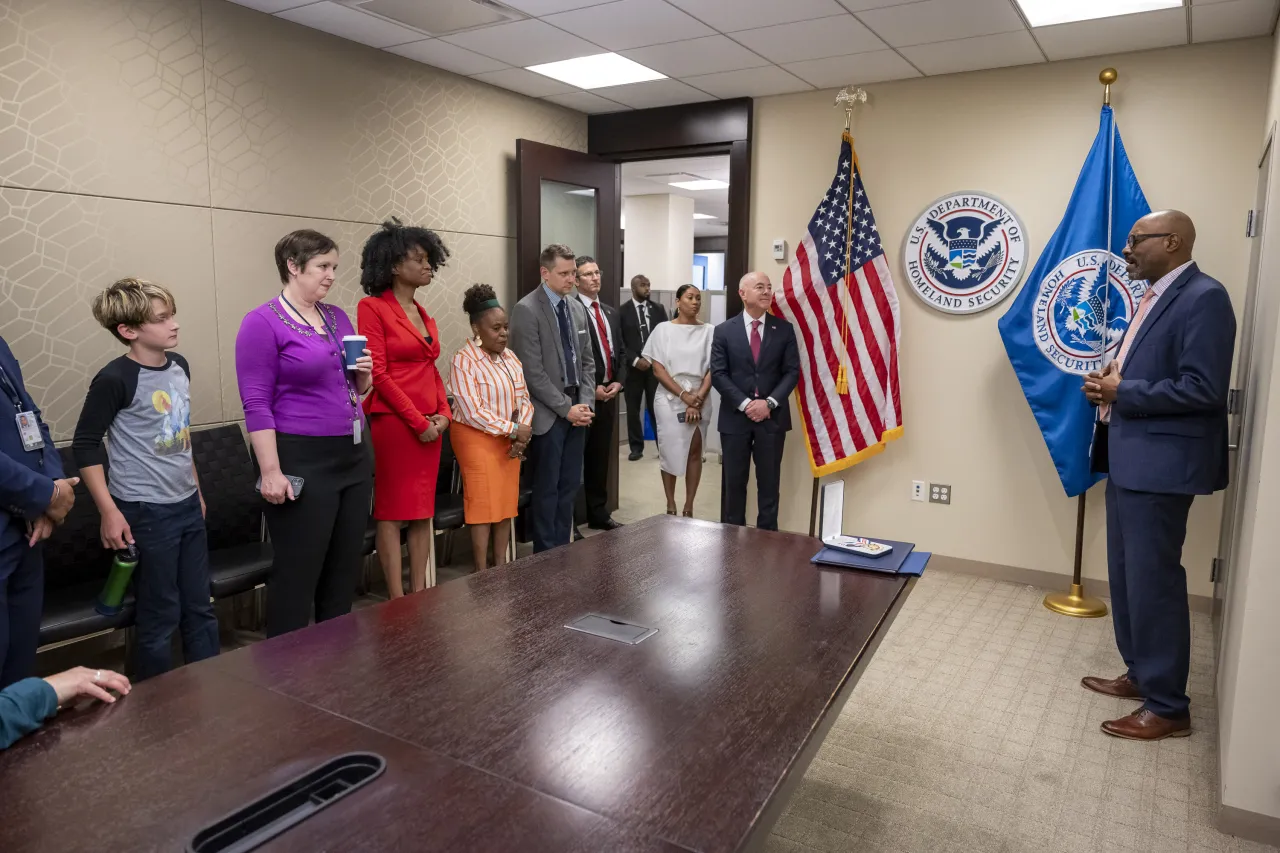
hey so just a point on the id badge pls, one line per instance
(356, 428)
(29, 429)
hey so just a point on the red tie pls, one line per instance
(755, 340)
(604, 343)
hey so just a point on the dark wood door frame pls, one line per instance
(690, 130)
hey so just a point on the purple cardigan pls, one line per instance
(291, 377)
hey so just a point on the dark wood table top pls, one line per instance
(685, 736)
(502, 729)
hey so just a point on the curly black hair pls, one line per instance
(473, 301)
(390, 245)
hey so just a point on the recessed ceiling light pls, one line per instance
(1044, 13)
(595, 72)
(703, 216)
(700, 185)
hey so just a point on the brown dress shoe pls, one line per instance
(1120, 687)
(1144, 725)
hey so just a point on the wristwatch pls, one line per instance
(772, 405)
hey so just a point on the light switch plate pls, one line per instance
(779, 250)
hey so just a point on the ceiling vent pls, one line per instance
(439, 17)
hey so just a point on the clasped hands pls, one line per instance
(605, 393)
(64, 497)
(694, 402)
(521, 441)
(436, 425)
(758, 410)
(1101, 386)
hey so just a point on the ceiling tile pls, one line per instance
(836, 36)
(835, 71)
(631, 23)
(586, 102)
(1126, 33)
(655, 93)
(696, 56)
(749, 83)
(941, 20)
(864, 5)
(972, 54)
(351, 24)
(524, 43)
(730, 15)
(525, 82)
(271, 6)
(538, 8)
(1232, 20)
(450, 57)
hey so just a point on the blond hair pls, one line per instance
(128, 303)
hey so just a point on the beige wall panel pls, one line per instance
(104, 98)
(57, 251)
(301, 122)
(1190, 118)
(246, 277)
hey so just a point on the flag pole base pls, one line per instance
(1075, 603)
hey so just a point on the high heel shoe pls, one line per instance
(671, 512)
(688, 513)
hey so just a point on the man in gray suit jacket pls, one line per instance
(549, 334)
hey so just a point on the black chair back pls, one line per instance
(234, 509)
(74, 554)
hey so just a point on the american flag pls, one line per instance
(845, 319)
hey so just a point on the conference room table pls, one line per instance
(502, 730)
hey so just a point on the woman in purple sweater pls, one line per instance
(302, 412)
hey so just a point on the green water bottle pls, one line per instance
(112, 595)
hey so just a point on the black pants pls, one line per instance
(21, 600)
(737, 450)
(171, 584)
(599, 452)
(555, 463)
(1149, 608)
(640, 383)
(318, 539)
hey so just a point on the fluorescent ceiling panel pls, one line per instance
(700, 185)
(595, 72)
(1044, 13)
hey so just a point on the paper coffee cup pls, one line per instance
(353, 347)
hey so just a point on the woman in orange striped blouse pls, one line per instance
(493, 421)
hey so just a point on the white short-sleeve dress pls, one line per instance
(685, 351)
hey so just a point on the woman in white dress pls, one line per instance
(680, 351)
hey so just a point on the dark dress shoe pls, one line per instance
(634, 456)
(1144, 725)
(1121, 688)
(577, 534)
(607, 524)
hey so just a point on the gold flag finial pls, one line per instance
(1106, 78)
(850, 97)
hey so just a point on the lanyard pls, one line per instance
(11, 390)
(333, 339)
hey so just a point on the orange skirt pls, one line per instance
(490, 478)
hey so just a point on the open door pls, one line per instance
(568, 197)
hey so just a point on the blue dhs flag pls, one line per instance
(1072, 313)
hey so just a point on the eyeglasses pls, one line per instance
(1135, 239)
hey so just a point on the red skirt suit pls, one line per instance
(406, 388)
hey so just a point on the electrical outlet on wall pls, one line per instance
(917, 490)
(939, 493)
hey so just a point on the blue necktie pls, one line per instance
(566, 343)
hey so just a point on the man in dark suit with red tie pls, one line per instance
(755, 365)
(1162, 438)
(638, 317)
(601, 450)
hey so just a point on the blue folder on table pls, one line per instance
(914, 563)
(890, 562)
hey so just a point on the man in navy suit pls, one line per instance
(33, 499)
(755, 365)
(1162, 437)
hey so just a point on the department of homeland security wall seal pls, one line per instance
(965, 253)
(1083, 307)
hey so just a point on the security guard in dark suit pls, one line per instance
(33, 499)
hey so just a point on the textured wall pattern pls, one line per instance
(177, 140)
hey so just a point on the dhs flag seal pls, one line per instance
(1071, 317)
(965, 253)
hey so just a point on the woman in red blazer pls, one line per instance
(408, 409)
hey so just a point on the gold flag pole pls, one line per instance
(1075, 602)
(849, 98)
